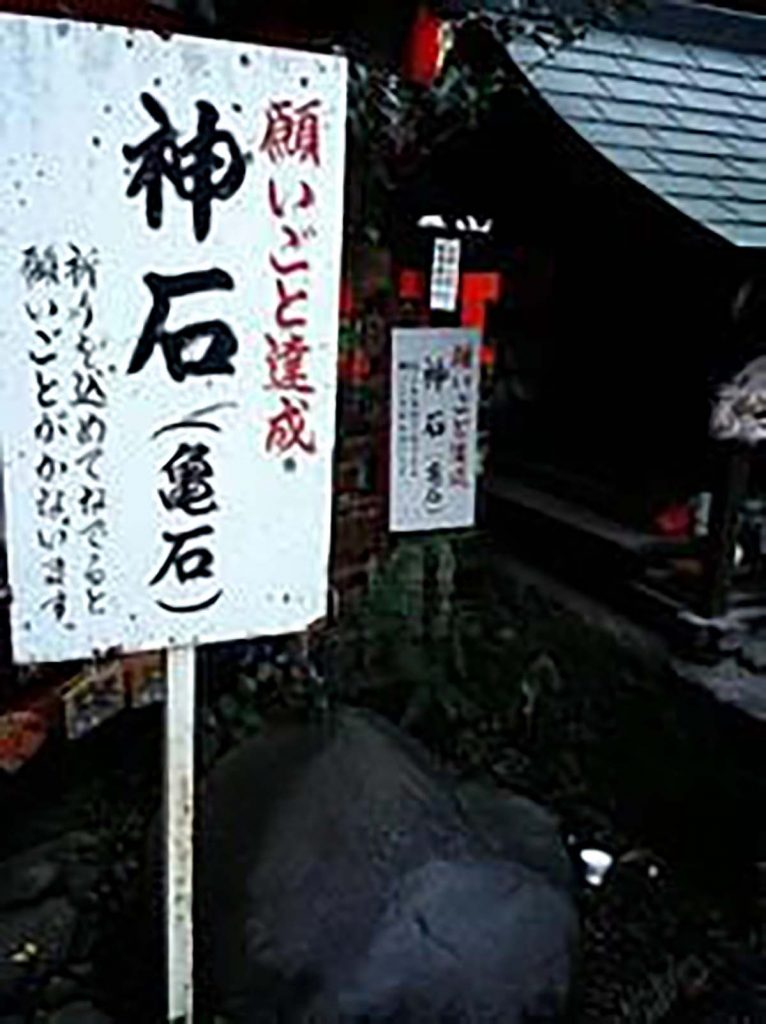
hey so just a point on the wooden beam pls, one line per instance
(724, 513)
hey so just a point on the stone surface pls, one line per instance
(730, 683)
(464, 941)
(82, 881)
(342, 878)
(517, 829)
(79, 1013)
(34, 943)
(754, 654)
(29, 876)
(59, 991)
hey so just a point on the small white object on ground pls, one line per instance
(597, 863)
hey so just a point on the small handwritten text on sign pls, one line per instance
(435, 392)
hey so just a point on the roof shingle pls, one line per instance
(686, 119)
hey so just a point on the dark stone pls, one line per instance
(59, 991)
(84, 942)
(79, 1013)
(81, 881)
(464, 941)
(517, 829)
(754, 655)
(342, 878)
(74, 847)
(29, 876)
(730, 682)
(26, 879)
(81, 971)
(34, 943)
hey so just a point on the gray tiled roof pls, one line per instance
(687, 119)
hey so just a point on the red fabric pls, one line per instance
(423, 54)
(473, 314)
(674, 521)
(346, 299)
(412, 284)
(483, 287)
(354, 367)
(476, 291)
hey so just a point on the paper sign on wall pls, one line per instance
(434, 406)
(171, 225)
(445, 274)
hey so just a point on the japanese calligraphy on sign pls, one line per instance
(434, 408)
(169, 273)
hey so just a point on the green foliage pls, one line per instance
(349, 338)
(511, 688)
(444, 657)
(265, 681)
(395, 126)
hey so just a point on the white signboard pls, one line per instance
(171, 231)
(434, 405)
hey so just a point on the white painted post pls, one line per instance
(179, 830)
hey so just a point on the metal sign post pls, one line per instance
(179, 831)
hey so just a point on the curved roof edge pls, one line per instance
(680, 112)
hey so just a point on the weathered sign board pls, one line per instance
(170, 217)
(434, 410)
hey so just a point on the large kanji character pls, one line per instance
(222, 344)
(40, 267)
(189, 473)
(286, 364)
(287, 429)
(292, 131)
(189, 563)
(192, 169)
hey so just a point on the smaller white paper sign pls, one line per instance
(434, 406)
(445, 274)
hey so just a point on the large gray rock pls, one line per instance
(516, 829)
(464, 941)
(342, 879)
